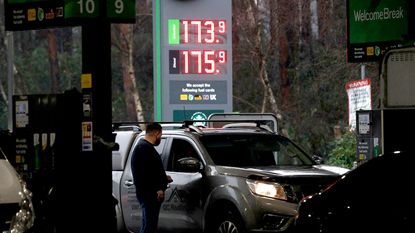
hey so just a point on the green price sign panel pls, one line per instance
(38, 14)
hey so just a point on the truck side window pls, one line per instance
(160, 147)
(180, 149)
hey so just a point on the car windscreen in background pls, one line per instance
(254, 151)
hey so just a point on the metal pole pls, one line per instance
(362, 71)
(10, 78)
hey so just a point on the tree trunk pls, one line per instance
(304, 28)
(268, 89)
(53, 61)
(262, 58)
(300, 23)
(3, 94)
(314, 19)
(284, 17)
(131, 95)
(325, 19)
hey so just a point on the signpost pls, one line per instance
(377, 26)
(193, 58)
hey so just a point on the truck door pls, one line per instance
(183, 206)
(131, 210)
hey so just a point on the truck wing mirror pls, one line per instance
(189, 164)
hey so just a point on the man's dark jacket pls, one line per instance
(148, 171)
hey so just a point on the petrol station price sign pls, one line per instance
(193, 49)
(37, 14)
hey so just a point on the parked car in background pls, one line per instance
(16, 210)
(228, 179)
(374, 197)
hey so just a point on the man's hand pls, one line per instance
(160, 195)
(169, 179)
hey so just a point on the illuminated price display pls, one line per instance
(193, 58)
(197, 61)
(197, 31)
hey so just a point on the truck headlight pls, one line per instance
(25, 217)
(267, 189)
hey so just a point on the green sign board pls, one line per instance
(81, 9)
(121, 10)
(36, 14)
(375, 26)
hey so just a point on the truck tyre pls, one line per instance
(227, 222)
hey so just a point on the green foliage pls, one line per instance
(70, 69)
(32, 74)
(343, 152)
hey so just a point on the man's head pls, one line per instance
(153, 133)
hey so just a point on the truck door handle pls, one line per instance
(128, 183)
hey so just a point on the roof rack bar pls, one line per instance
(259, 123)
(187, 124)
(140, 124)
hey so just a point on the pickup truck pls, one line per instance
(238, 178)
(16, 209)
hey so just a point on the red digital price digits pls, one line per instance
(203, 31)
(202, 61)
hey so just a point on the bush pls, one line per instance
(343, 152)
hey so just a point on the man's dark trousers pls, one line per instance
(150, 209)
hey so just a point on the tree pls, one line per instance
(252, 17)
(124, 42)
(53, 61)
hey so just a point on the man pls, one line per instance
(149, 176)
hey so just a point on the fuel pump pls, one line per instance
(45, 132)
(368, 128)
(381, 131)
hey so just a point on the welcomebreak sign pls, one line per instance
(375, 26)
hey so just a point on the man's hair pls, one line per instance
(153, 127)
